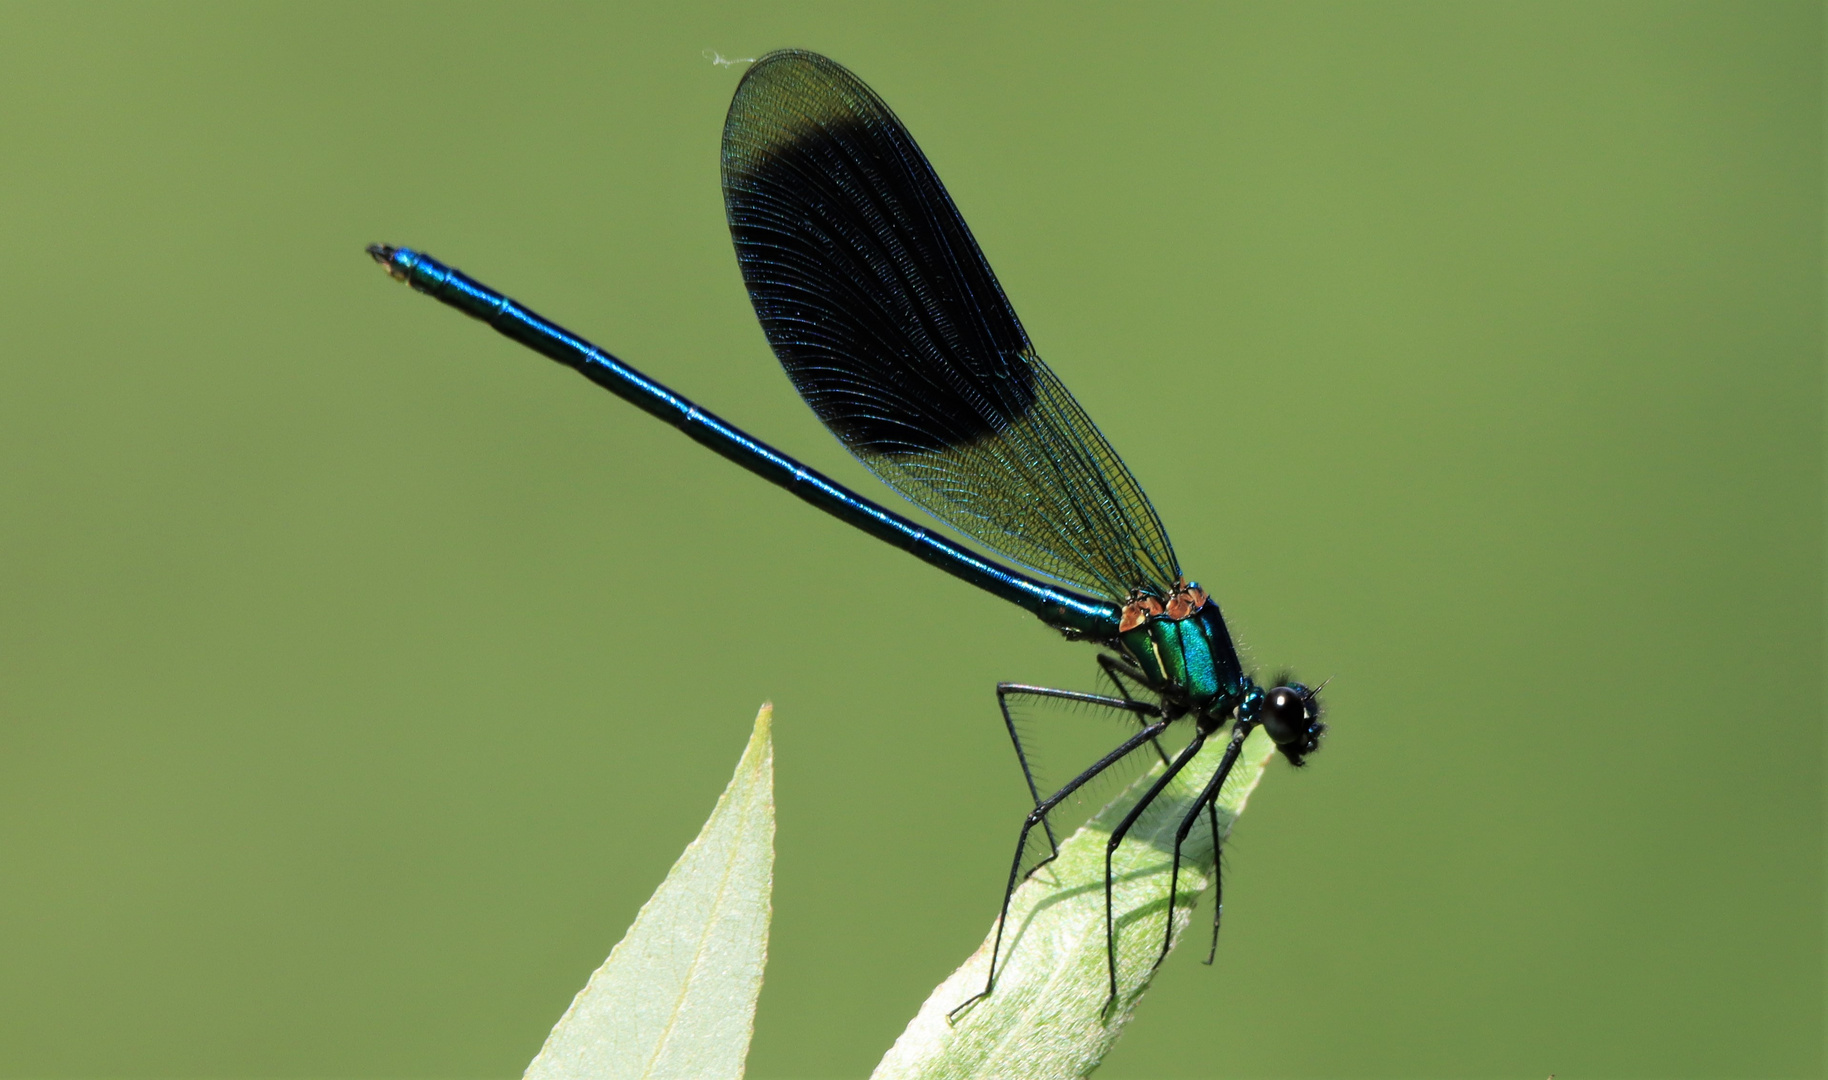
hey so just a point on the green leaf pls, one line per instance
(1047, 1018)
(676, 998)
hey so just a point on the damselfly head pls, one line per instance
(1291, 715)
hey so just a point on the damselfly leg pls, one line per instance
(1038, 816)
(1117, 836)
(1207, 801)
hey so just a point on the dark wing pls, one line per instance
(892, 327)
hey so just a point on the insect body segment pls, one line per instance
(1182, 650)
(1190, 660)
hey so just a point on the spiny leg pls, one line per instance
(1208, 797)
(1218, 880)
(1117, 671)
(1004, 690)
(1110, 849)
(1144, 711)
(1045, 806)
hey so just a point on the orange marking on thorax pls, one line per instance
(1141, 607)
(1186, 600)
(1138, 610)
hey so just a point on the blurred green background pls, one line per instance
(363, 673)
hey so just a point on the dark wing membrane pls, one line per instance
(893, 328)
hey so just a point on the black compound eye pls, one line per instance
(1285, 713)
(1292, 717)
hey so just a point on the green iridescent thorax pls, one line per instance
(1191, 657)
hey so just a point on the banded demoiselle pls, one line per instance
(891, 325)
